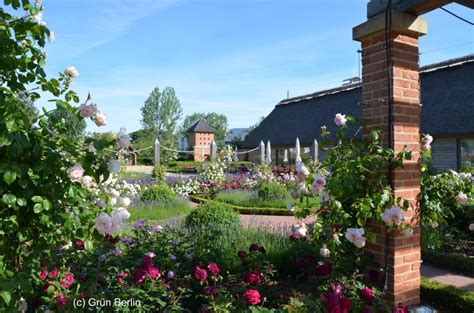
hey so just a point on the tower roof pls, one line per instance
(201, 126)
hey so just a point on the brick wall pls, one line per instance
(200, 142)
(404, 258)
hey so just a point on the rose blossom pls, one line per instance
(60, 300)
(43, 275)
(71, 72)
(393, 216)
(252, 297)
(242, 254)
(461, 198)
(367, 295)
(199, 274)
(80, 245)
(400, 309)
(119, 215)
(125, 202)
(87, 111)
(301, 169)
(103, 224)
(213, 268)
(300, 229)
(253, 278)
(210, 290)
(340, 119)
(75, 172)
(324, 251)
(408, 232)
(100, 119)
(323, 269)
(356, 236)
(427, 139)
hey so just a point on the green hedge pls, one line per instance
(448, 297)
(246, 210)
(192, 166)
(454, 262)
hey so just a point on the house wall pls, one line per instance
(444, 154)
(200, 142)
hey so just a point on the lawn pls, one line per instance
(158, 210)
(133, 175)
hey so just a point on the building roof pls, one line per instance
(447, 98)
(201, 126)
(236, 134)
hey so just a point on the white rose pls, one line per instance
(125, 202)
(340, 119)
(114, 166)
(87, 180)
(425, 147)
(355, 236)
(75, 172)
(100, 119)
(324, 251)
(300, 230)
(119, 215)
(394, 215)
(427, 139)
(71, 72)
(113, 201)
(461, 198)
(103, 224)
(114, 193)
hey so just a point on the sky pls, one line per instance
(238, 58)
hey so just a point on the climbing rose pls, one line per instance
(118, 217)
(43, 275)
(103, 224)
(199, 274)
(71, 72)
(356, 236)
(87, 180)
(428, 139)
(100, 119)
(75, 172)
(393, 216)
(461, 198)
(87, 110)
(340, 119)
(367, 295)
(324, 251)
(213, 268)
(60, 301)
(252, 297)
(80, 245)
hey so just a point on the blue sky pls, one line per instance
(238, 58)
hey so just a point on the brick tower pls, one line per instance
(200, 137)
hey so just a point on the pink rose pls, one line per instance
(340, 119)
(252, 297)
(213, 268)
(54, 273)
(393, 216)
(461, 198)
(43, 275)
(355, 236)
(253, 278)
(367, 295)
(154, 272)
(71, 72)
(199, 274)
(75, 172)
(87, 111)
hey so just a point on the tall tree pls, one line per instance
(160, 115)
(218, 121)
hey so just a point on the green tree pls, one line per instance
(160, 115)
(218, 121)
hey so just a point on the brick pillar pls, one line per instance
(403, 272)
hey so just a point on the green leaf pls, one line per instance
(9, 177)
(51, 290)
(6, 295)
(21, 201)
(9, 199)
(37, 199)
(46, 204)
(89, 245)
(37, 208)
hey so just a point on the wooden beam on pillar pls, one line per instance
(415, 7)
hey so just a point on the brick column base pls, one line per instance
(404, 257)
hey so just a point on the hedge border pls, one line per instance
(459, 263)
(455, 299)
(245, 210)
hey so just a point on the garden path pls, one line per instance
(282, 224)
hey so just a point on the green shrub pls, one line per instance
(159, 173)
(272, 191)
(158, 192)
(215, 214)
(452, 261)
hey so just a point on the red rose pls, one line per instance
(242, 254)
(252, 297)
(60, 301)
(43, 275)
(139, 276)
(80, 245)
(345, 304)
(254, 247)
(154, 272)
(213, 268)
(54, 273)
(367, 295)
(323, 269)
(199, 274)
(400, 309)
(253, 278)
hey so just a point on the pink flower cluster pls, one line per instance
(335, 302)
(57, 281)
(146, 269)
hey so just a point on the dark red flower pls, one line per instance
(43, 275)
(345, 304)
(262, 250)
(254, 247)
(199, 274)
(242, 254)
(60, 301)
(269, 268)
(252, 297)
(154, 272)
(80, 245)
(139, 276)
(110, 239)
(253, 278)
(400, 309)
(210, 290)
(213, 268)
(303, 263)
(367, 295)
(83, 277)
(323, 269)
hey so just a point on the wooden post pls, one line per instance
(262, 152)
(157, 152)
(315, 151)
